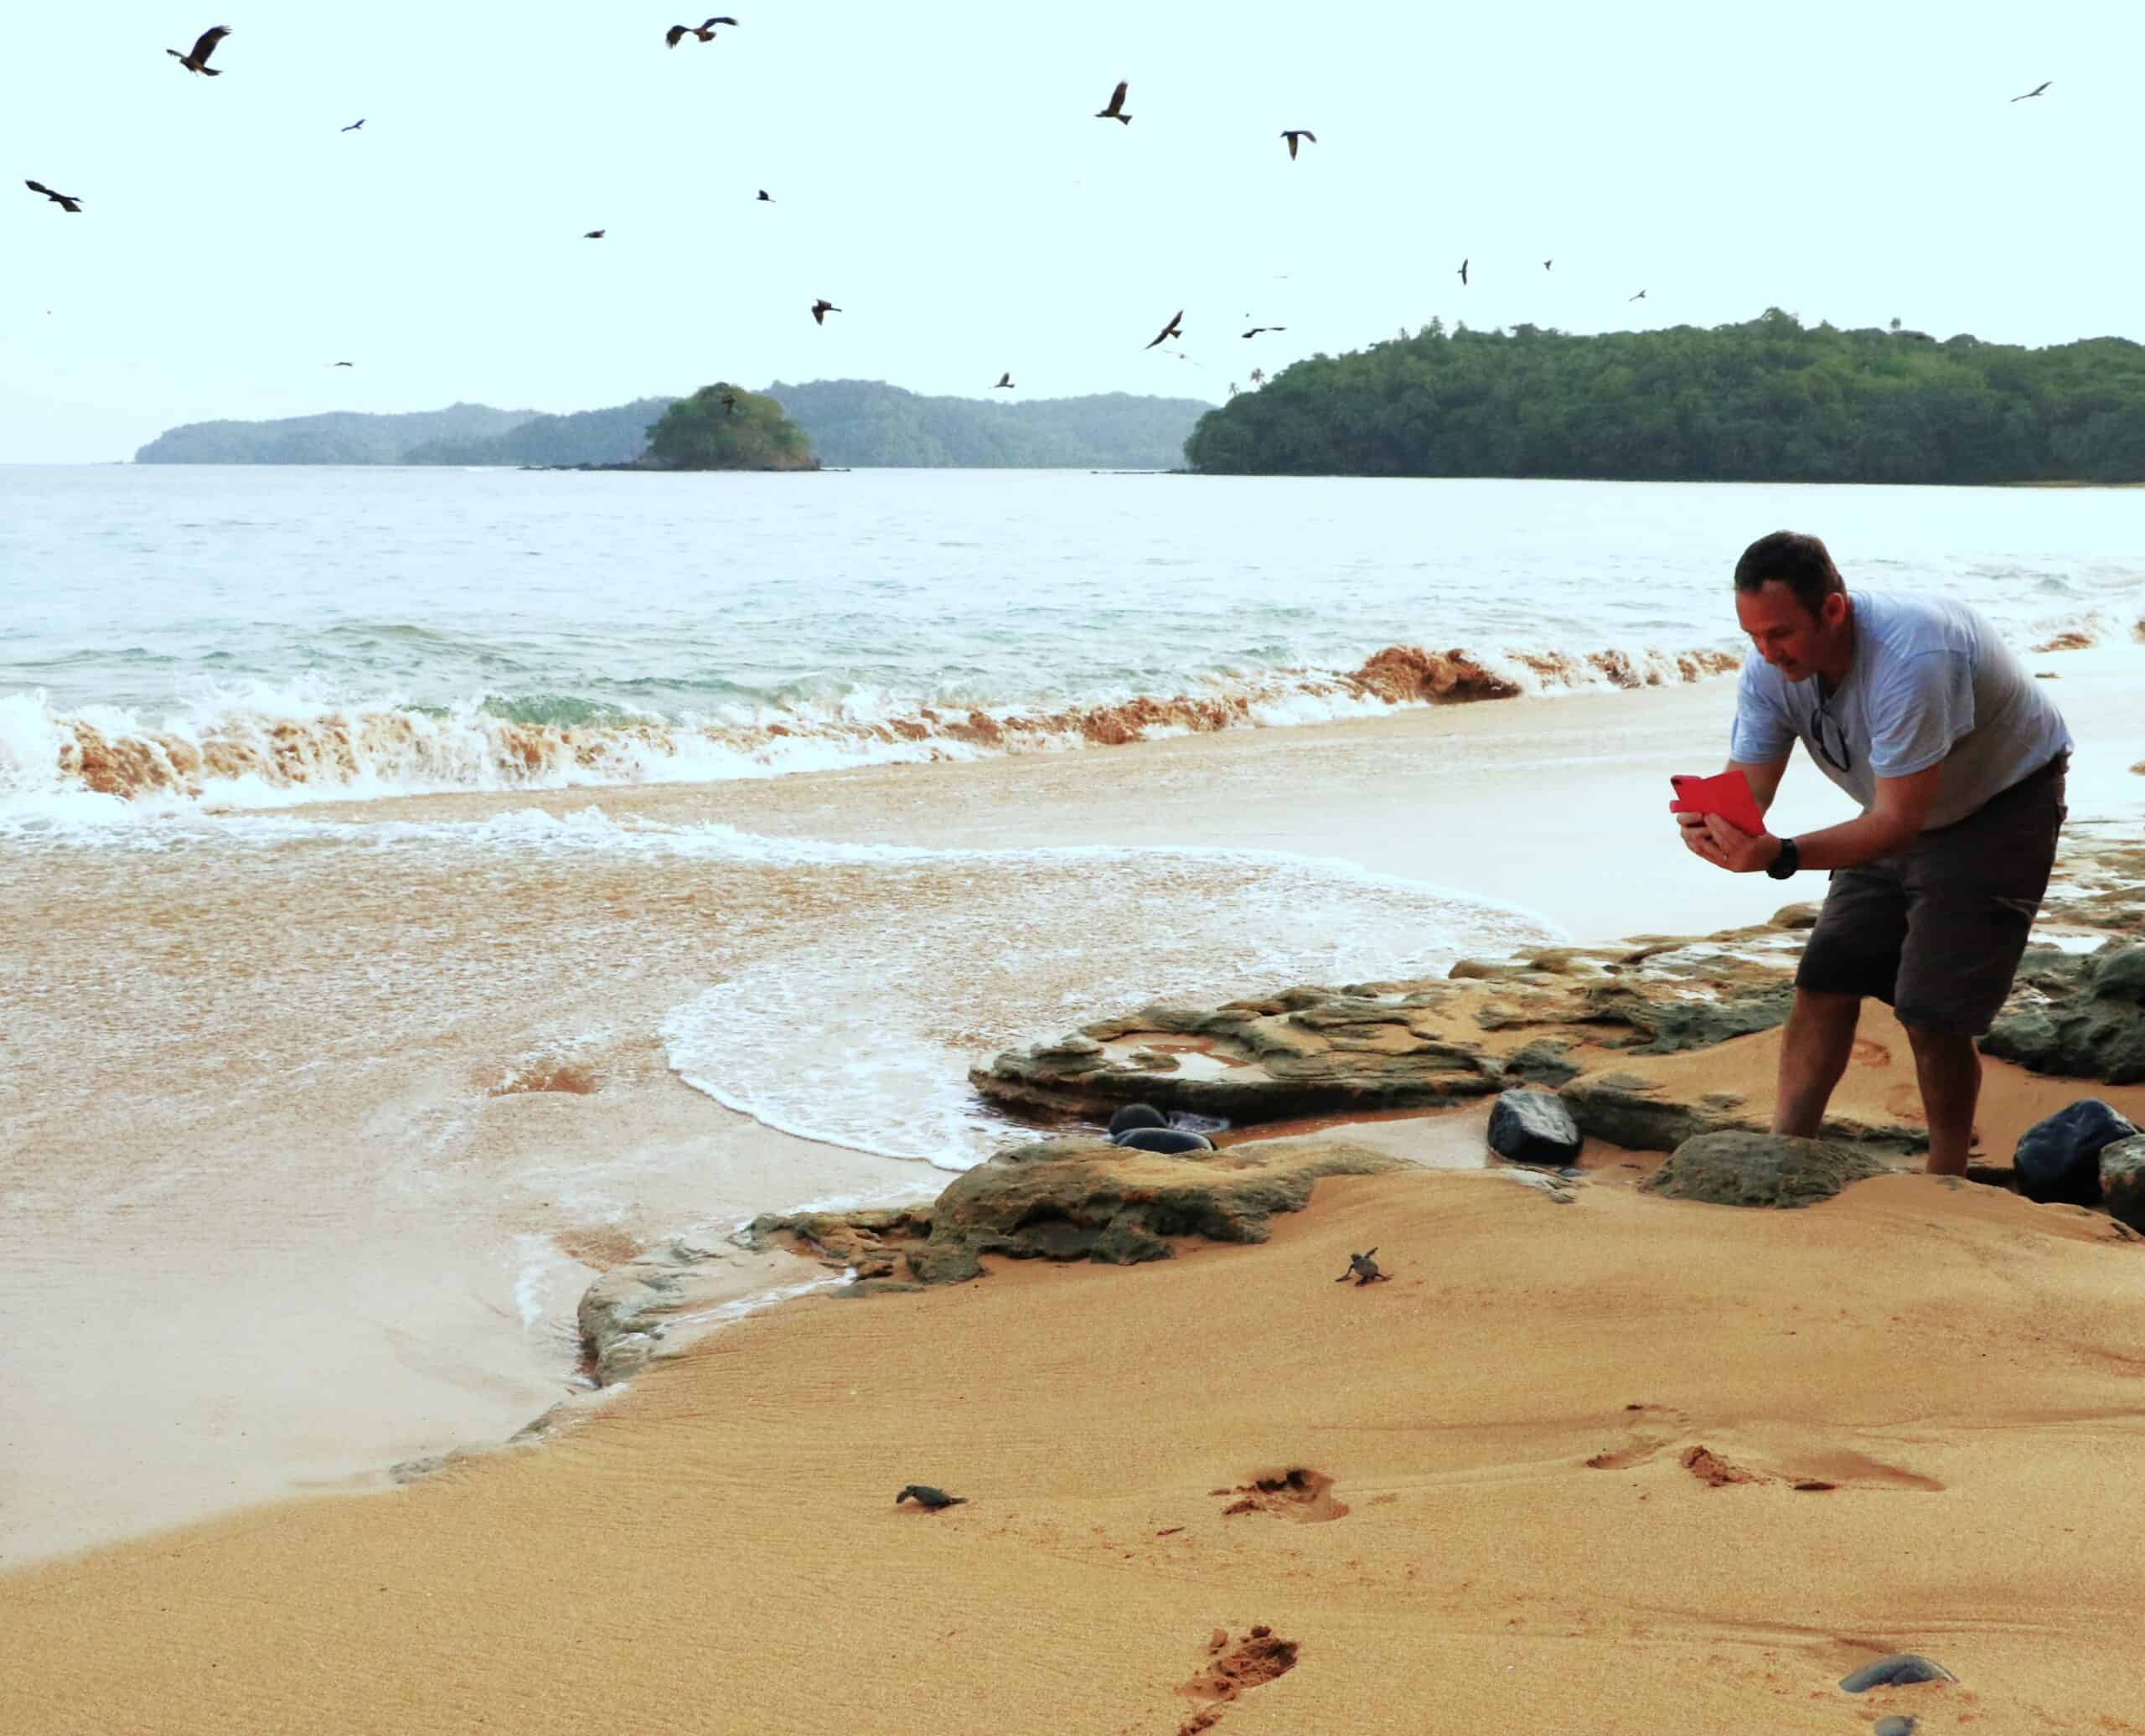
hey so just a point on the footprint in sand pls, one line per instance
(1646, 1441)
(1296, 1493)
(1830, 1469)
(1258, 1659)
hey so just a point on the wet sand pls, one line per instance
(294, 1227)
(1625, 1465)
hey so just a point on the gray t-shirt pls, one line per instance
(1931, 681)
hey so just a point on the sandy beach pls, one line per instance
(1572, 1450)
(1629, 1465)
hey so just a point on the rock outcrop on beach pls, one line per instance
(2123, 1180)
(2089, 1021)
(1567, 1019)
(1746, 1169)
(646, 1308)
(2058, 1159)
(1533, 1127)
(1078, 1200)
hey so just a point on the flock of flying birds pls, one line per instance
(195, 59)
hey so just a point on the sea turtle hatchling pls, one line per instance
(929, 1498)
(1363, 1270)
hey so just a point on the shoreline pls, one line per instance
(1523, 782)
(1518, 1507)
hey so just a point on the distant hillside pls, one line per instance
(1768, 401)
(863, 422)
(588, 436)
(867, 422)
(338, 438)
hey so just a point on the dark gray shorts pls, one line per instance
(1936, 932)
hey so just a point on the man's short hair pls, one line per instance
(1798, 561)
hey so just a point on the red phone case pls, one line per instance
(1729, 794)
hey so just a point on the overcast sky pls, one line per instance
(938, 173)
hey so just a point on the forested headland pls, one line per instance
(339, 436)
(1768, 401)
(616, 436)
(865, 422)
(860, 422)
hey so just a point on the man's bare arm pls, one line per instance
(1894, 819)
(1765, 777)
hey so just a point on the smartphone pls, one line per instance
(1727, 794)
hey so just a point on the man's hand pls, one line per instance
(1725, 846)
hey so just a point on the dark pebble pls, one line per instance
(1896, 1726)
(1900, 1670)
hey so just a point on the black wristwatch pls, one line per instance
(1785, 864)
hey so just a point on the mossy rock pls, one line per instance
(1749, 1169)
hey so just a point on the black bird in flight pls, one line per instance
(1115, 111)
(677, 32)
(353, 126)
(1462, 274)
(343, 365)
(1294, 133)
(765, 198)
(1547, 263)
(593, 235)
(1640, 297)
(65, 202)
(2035, 91)
(1256, 330)
(1005, 380)
(196, 59)
(1175, 328)
(821, 308)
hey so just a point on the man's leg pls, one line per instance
(1813, 1056)
(1950, 1069)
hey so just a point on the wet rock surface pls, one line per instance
(1766, 1169)
(1078, 1199)
(1533, 1127)
(2087, 1020)
(2123, 1180)
(2058, 1161)
(1541, 1018)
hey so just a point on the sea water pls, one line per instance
(344, 814)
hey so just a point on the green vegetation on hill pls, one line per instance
(338, 438)
(847, 421)
(866, 422)
(616, 436)
(725, 428)
(1768, 401)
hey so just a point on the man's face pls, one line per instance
(1788, 636)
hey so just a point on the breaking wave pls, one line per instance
(274, 749)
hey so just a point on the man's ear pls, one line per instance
(1833, 609)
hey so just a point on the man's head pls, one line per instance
(1789, 599)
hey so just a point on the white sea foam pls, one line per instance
(260, 744)
(862, 1036)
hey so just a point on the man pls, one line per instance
(1956, 756)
